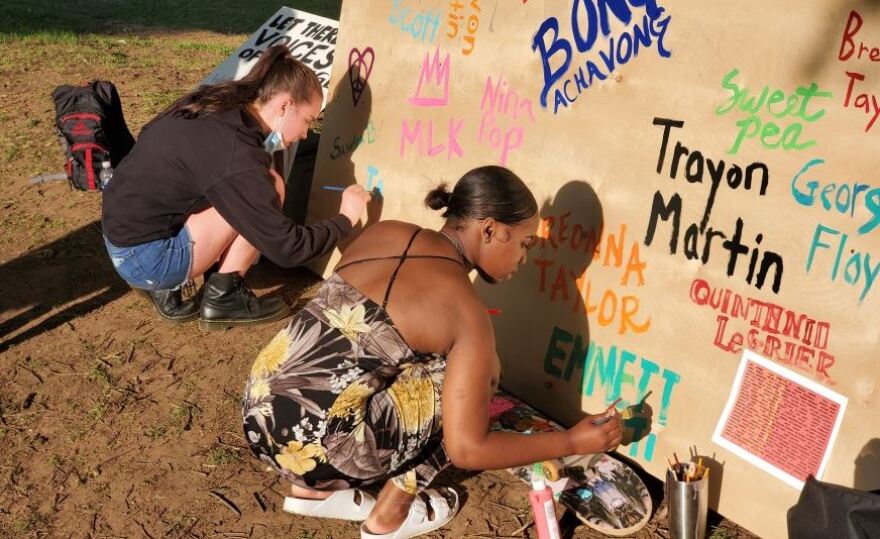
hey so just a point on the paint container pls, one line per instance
(688, 504)
(541, 498)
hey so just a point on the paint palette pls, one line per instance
(601, 491)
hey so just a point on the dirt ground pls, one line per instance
(112, 423)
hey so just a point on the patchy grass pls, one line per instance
(9, 407)
(38, 37)
(182, 415)
(159, 99)
(155, 432)
(98, 411)
(78, 433)
(46, 17)
(223, 456)
(32, 522)
(100, 375)
(219, 48)
(718, 532)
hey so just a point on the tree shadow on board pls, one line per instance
(309, 198)
(346, 128)
(831, 36)
(867, 467)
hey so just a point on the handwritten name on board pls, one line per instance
(835, 255)
(569, 66)
(617, 373)
(856, 96)
(693, 163)
(779, 333)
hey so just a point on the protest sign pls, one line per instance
(310, 38)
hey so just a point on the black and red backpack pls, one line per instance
(92, 128)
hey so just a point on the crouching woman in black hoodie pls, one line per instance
(197, 194)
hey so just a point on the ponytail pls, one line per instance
(438, 198)
(276, 71)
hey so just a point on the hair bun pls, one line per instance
(438, 198)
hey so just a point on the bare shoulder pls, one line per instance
(457, 297)
(436, 306)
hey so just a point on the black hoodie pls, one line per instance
(179, 167)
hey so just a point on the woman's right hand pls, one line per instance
(354, 202)
(587, 437)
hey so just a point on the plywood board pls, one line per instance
(708, 181)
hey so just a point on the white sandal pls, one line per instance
(341, 504)
(417, 522)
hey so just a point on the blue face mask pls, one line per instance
(274, 140)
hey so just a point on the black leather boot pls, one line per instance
(227, 301)
(170, 305)
(215, 267)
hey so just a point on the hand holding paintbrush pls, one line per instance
(597, 433)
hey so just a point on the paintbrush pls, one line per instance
(671, 468)
(607, 418)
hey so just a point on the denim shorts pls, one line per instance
(156, 265)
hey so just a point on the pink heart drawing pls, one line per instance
(360, 64)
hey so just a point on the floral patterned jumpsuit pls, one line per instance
(338, 399)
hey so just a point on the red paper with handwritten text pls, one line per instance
(781, 422)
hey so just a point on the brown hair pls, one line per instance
(276, 71)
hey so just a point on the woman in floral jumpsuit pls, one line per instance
(344, 398)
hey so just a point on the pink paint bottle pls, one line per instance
(543, 507)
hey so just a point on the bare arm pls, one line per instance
(467, 390)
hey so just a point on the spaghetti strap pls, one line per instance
(397, 257)
(402, 257)
(397, 269)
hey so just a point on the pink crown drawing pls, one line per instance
(433, 86)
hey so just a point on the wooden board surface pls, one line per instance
(657, 109)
